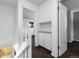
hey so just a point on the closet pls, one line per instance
(45, 35)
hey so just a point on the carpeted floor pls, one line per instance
(40, 52)
(73, 50)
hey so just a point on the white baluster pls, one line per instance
(24, 54)
(21, 56)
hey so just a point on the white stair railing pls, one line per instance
(23, 51)
(25, 48)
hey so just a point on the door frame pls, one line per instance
(72, 24)
(58, 28)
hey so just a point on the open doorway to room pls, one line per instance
(76, 25)
(28, 21)
(28, 28)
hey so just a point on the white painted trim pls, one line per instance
(76, 40)
(70, 41)
(72, 30)
(75, 10)
(71, 27)
(60, 0)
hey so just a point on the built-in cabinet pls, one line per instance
(44, 25)
(44, 22)
(45, 40)
(41, 40)
(44, 35)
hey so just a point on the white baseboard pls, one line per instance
(54, 56)
(73, 40)
(70, 41)
(36, 45)
(76, 40)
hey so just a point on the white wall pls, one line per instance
(6, 25)
(45, 11)
(71, 4)
(15, 24)
(25, 22)
(54, 19)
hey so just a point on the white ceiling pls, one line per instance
(71, 4)
(8, 2)
(13, 2)
(37, 2)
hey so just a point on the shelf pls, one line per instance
(45, 22)
(45, 32)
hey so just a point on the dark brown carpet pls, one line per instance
(40, 52)
(73, 50)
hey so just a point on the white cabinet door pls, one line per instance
(62, 29)
(50, 42)
(45, 13)
(41, 39)
(47, 41)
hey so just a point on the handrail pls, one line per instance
(22, 48)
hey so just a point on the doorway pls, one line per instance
(76, 25)
(28, 28)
